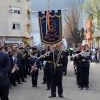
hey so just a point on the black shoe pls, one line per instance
(10, 87)
(14, 85)
(48, 89)
(65, 74)
(87, 87)
(61, 96)
(35, 85)
(19, 83)
(24, 81)
(78, 86)
(52, 96)
(43, 83)
(81, 88)
(76, 83)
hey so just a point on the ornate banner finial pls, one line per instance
(48, 2)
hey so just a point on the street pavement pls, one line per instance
(25, 91)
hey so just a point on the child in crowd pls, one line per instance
(34, 63)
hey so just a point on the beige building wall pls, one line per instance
(96, 33)
(7, 18)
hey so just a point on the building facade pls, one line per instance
(88, 34)
(96, 32)
(15, 21)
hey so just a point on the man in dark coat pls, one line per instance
(4, 80)
(57, 70)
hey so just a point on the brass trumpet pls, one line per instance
(15, 68)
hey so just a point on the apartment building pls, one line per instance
(96, 32)
(15, 21)
(88, 34)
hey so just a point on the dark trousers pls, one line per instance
(34, 78)
(4, 91)
(66, 66)
(78, 75)
(44, 77)
(27, 67)
(9, 75)
(48, 77)
(24, 67)
(13, 78)
(71, 53)
(84, 76)
(18, 77)
(56, 78)
(21, 73)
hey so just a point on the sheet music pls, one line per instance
(85, 54)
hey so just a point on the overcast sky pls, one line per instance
(41, 5)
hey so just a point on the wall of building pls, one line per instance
(3, 17)
(96, 42)
(90, 43)
(7, 18)
(88, 29)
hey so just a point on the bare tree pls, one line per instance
(74, 26)
(72, 29)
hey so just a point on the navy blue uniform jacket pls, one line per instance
(5, 67)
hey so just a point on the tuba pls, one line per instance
(23, 55)
(26, 45)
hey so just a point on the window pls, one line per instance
(17, 11)
(16, 26)
(14, 10)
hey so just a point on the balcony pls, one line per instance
(28, 35)
(28, 21)
(28, 7)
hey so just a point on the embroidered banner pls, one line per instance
(50, 27)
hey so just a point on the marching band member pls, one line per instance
(77, 65)
(23, 60)
(14, 64)
(19, 57)
(4, 80)
(67, 54)
(34, 62)
(44, 70)
(64, 48)
(84, 68)
(57, 70)
(48, 61)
